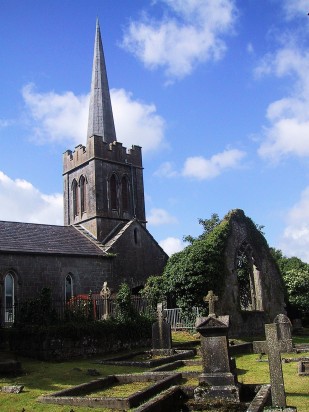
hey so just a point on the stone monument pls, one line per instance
(217, 381)
(275, 366)
(106, 294)
(284, 327)
(161, 333)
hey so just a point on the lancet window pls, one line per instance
(113, 192)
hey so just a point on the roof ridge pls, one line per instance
(81, 229)
(113, 240)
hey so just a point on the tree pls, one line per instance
(297, 284)
(295, 274)
(208, 226)
(198, 268)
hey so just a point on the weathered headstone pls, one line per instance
(211, 298)
(275, 366)
(105, 293)
(285, 343)
(161, 331)
(217, 381)
(284, 327)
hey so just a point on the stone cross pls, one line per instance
(275, 366)
(211, 298)
(105, 291)
(106, 294)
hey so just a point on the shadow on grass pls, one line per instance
(241, 371)
(51, 377)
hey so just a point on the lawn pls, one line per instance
(45, 377)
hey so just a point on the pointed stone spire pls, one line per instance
(101, 120)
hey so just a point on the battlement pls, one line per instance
(97, 148)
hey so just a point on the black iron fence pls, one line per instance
(94, 307)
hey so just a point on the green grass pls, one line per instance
(296, 387)
(121, 390)
(42, 378)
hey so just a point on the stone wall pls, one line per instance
(138, 256)
(34, 272)
(57, 349)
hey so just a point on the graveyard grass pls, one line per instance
(41, 378)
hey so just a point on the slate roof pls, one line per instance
(45, 239)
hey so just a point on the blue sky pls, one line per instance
(215, 91)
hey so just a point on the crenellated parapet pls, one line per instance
(97, 148)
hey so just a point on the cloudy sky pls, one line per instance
(215, 91)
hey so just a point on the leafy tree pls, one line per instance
(208, 226)
(125, 310)
(297, 284)
(154, 290)
(295, 274)
(198, 268)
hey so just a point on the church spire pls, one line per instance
(100, 121)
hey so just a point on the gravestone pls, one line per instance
(106, 294)
(161, 332)
(275, 366)
(285, 342)
(217, 382)
(284, 327)
(211, 298)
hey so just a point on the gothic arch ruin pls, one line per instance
(253, 293)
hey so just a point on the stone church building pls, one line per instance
(104, 237)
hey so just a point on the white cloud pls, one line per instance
(200, 168)
(288, 130)
(294, 8)
(172, 245)
(21, 201)
(166, 169)
(56, 117)
(295, 239)
(160, 217)
(190, 32)
(136, 122)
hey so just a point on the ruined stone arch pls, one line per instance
(264, 279)
(249, 278)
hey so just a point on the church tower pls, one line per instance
(103, 181)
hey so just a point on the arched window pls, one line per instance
(9, 298)
(75, 197)
(82, 188)
(125, 194)
(113, 192)
(68, 288)
(249, 277)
